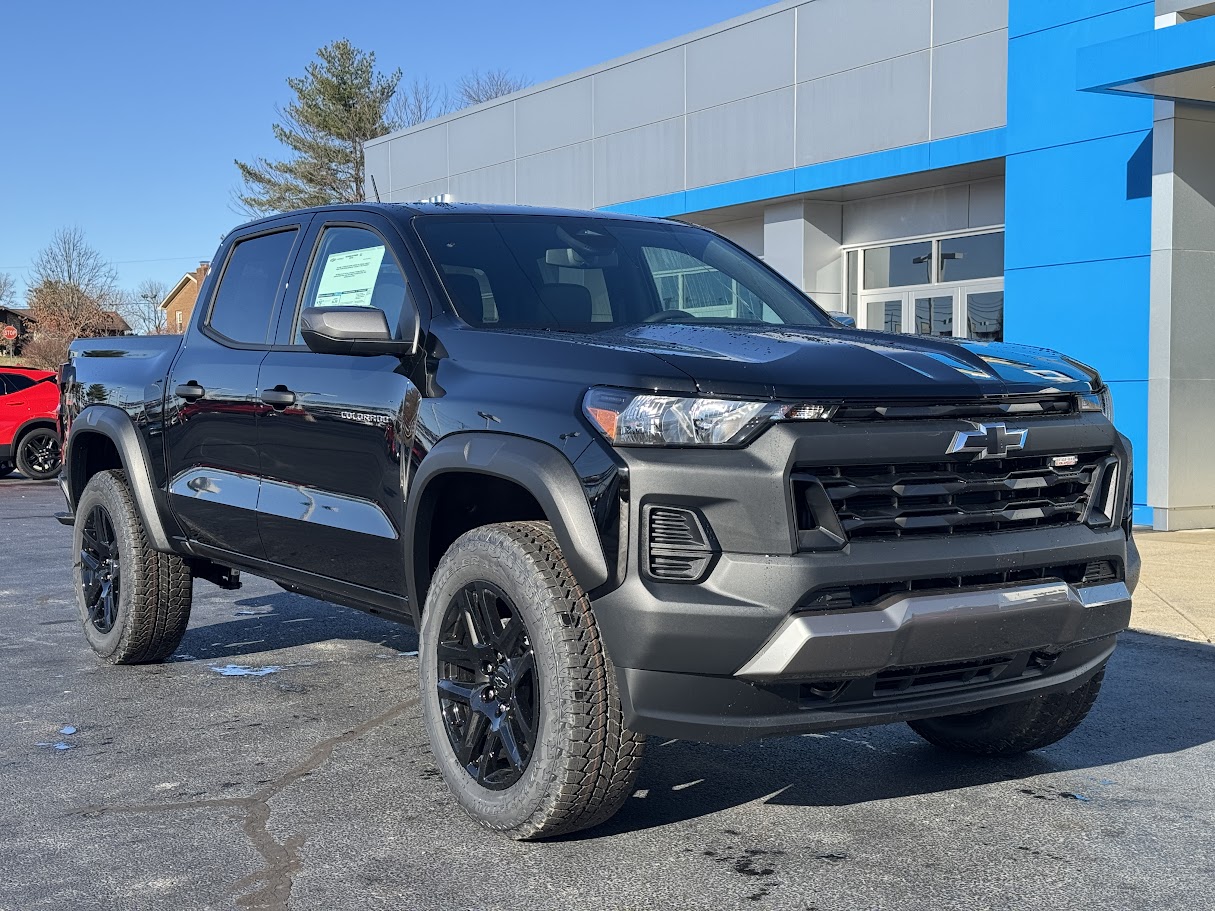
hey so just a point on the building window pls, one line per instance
(177, 316)
(943, 287)
(974, 256)
(899, 265)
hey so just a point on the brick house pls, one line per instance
(179, 302)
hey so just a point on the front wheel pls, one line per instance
(518, 695)
(134, 602)
(1007, 730)
(38, 454)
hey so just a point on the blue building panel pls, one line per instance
(1044, 108)
(1095, 312)
(1081, 202)
(1078, 203)
(1028, 16)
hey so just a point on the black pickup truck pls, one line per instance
(622, 477)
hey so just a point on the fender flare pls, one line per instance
(540, 469)
(116, 425)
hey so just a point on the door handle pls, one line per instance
(278, 397)
(190, 391)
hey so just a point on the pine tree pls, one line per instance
(341, 102)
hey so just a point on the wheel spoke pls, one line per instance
(88, 561)
(459, 655)
(521, 667)
(456, 691)
(107, 604)
(474, 613)
(523, 720)
(473, 743)
(511, 634)
(91, 542)
(509, 745)
(492, 739)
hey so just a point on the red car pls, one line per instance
(29, 433)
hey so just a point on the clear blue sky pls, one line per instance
(124, 118)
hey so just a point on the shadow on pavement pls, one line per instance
(282, 620)
(1158, 698)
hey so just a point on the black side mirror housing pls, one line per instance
(356, 330)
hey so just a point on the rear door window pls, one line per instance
(14, 382)
(255, 271)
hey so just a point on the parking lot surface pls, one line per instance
(301, 779)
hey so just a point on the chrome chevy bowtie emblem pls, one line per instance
(988, 441)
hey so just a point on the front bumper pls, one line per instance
(970, 620)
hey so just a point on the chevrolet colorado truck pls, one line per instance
(623, 478)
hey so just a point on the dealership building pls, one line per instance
(1031, 171)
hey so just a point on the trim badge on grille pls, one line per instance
(988, 441)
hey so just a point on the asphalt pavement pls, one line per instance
(302, 779)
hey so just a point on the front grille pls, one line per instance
(894, 500)
(869, 594)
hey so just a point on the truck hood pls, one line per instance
(795, 362)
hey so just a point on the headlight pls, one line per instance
(1102, 401)
(631, 419)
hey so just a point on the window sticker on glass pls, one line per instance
(349, 278)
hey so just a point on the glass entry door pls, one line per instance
(966, 311)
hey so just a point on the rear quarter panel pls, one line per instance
(127, 373)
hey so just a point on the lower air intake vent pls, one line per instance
(677, 545)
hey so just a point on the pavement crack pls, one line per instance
(282, 859)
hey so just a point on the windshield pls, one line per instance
(587, 275)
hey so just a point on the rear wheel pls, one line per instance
(38, 454)
(1007, 730)
(518, 695)
(134, 602)
(6, 468)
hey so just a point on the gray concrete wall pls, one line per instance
(1181, 369)
(792, 84)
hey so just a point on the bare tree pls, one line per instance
(479, 86)
(73, 293)
(8, 290)
(141, 307)
(417, 102)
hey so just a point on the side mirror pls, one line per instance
(356, 330)
(844, 319)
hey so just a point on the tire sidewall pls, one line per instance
(104, 490)
(483, 555)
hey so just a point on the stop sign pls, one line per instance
(9, 333)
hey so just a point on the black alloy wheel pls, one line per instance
(38, 456)
(100, 569)
(488, 685)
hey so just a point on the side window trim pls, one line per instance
(300, 227)
(293, 305)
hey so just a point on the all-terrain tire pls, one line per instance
(585, 761)
(1007, 730)
(151, 598)
(37, 454)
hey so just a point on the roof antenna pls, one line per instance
(374, 188)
